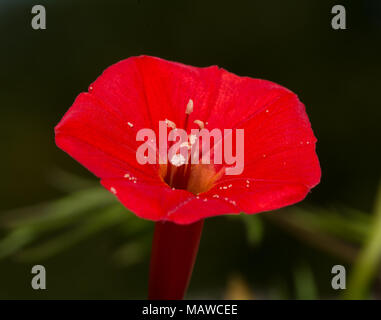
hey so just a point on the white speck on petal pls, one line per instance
(113, 190)
(130, 124)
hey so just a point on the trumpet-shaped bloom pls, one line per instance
(100, 129)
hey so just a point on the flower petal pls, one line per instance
(100, 140)
(99, 131)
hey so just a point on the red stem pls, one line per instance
(174, 251)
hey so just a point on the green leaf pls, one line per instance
(15, 240)
(254, 229)
(59, 212)
(305, 287)
(104, 220)
(69, 182)
(367, 265)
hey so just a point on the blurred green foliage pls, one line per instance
(37, 233)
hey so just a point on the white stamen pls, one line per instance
(178, 160)
(113, 190)
(170, 123)
(130, 124)
(185, 144)
(189, 108)
(199, 123)
(192, 139)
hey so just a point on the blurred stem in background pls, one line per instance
(305, 286)
(367, 264)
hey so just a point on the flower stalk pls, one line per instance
(174, 251)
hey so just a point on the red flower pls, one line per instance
(99, 131)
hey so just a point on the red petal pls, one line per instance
(99, 131)
(100, 140)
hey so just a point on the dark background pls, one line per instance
(336, 74)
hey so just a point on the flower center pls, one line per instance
(180, 173)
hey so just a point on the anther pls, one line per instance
(178, 160)
(192, 139)
(189, 108)
(170, 124)
(199, 123)
(185, 144)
